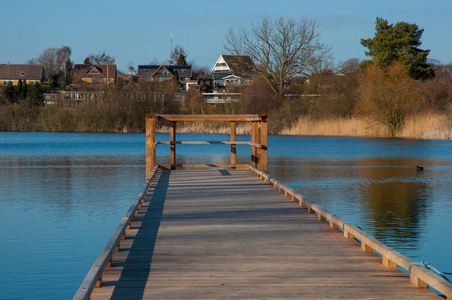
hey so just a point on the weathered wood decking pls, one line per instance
(228, 234)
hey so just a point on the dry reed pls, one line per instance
(352, 126)
(427, 125)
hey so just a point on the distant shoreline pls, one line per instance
(435, 126)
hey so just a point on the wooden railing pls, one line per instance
(94, 277)
(419, 275)
(258, 141)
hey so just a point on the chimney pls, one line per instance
(7, 62)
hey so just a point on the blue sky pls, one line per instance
(139, 31)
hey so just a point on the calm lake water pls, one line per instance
(63, 194)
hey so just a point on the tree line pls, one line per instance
(295, 76)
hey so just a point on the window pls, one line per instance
(22, 74)
(93, 70)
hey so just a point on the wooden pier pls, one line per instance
(226, 233)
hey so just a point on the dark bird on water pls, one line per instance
(419, 168)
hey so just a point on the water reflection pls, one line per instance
(56, 183)
(396, 199)
(388, 197)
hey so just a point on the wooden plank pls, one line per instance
(237, 118)
(237, 166)
(228, 234)
(207, 142)
(419, 276)
(94, 277)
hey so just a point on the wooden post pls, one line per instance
(233, 147)
(258, 140)
(150, 147)
(173, 145)
(264, 144)
(253, 140)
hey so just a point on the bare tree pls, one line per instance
(283, 47)
(62, 57)
(54, 60)
(387, 96)
(200, 69)
(101, 58)
(31, 61)
(132, 69)
(175, 53)
(48, 58)
(350, 66)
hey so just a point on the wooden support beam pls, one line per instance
(264, 166)
(237, 166)
(173, 145)
(215, 118)
(366, 248)
(206, 143)
(388, 263)
(259, 150)
(150, 144)
(233, 146)
(254, 150)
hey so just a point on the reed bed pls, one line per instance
(352, 126)
(427, 125)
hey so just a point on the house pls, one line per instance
(15, 72)
(95, 73)
(232, 70)
(238, 65)
(164, 72)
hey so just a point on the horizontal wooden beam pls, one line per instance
(207, 143)
(238, 167)
(237, 118)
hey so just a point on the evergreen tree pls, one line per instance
(400, 43)
(19, 88)
(68, 67)
(23, 95)
(35, 95)
(10, 91)
(175, 81)
(175, 54)
(87, 62)
(181, 60)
